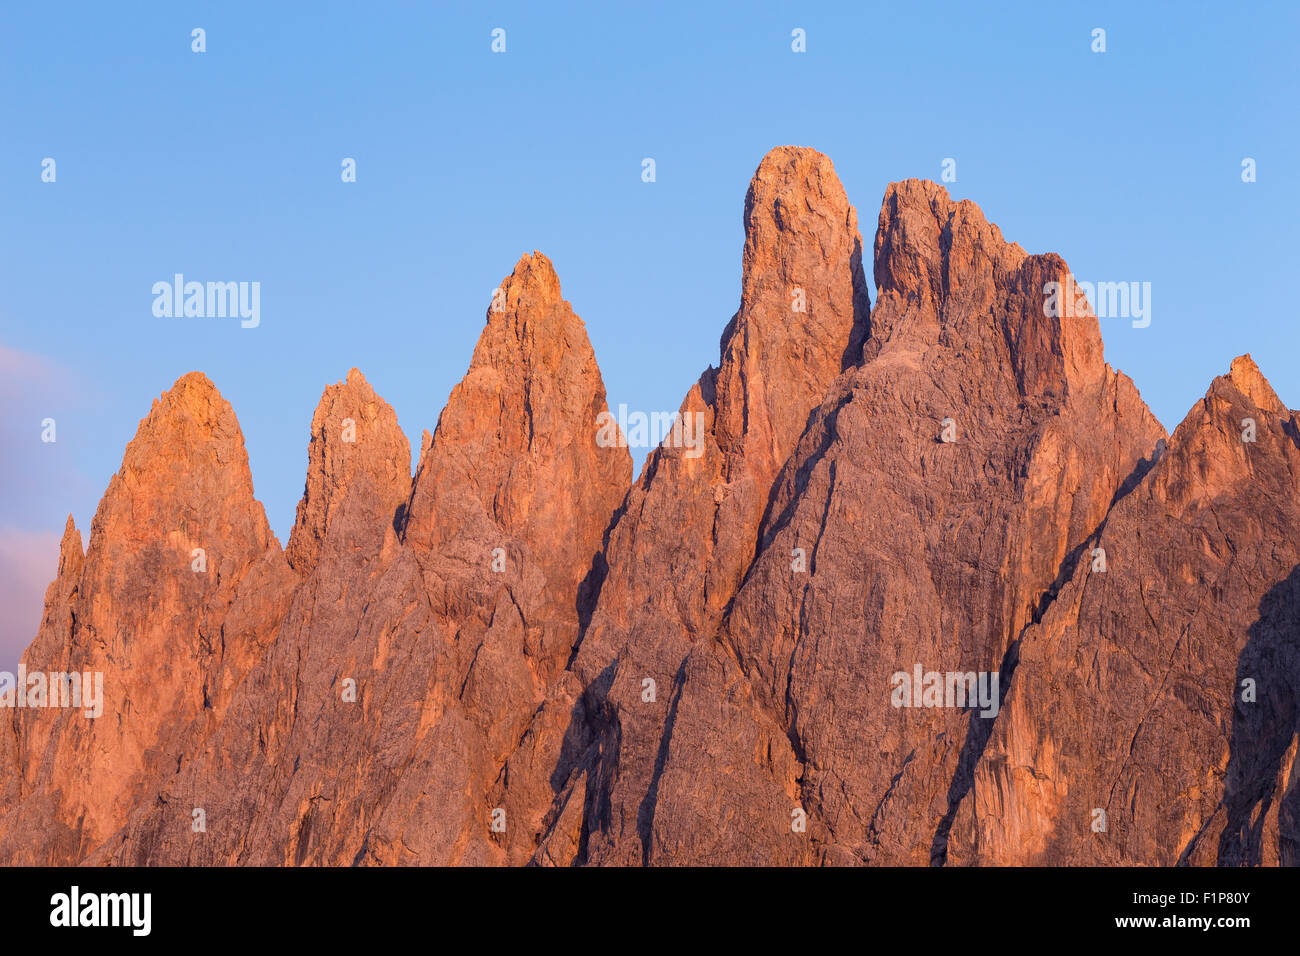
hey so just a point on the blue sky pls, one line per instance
(225, 165)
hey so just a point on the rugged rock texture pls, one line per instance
(172, 629)
(882, 547)
(1172, 677)
(410, 663)
(690, 525)
(353, 430)
(939, 551)
(519, 657)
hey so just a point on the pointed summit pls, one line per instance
(70, 552)
(186, 468)
(1224, 442)
(180, 586)
(533, 283)
(192, 399)
(56, 621)
(929, 245)
(803, 308)
(1127, 694)
(688, 533)
(948, 279)
(1216, 420)
(1246, 377)
(355, 442)
(518, 437)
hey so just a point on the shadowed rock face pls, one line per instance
(1173, 675)
(520, 656)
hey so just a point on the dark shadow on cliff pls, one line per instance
(589, 589)
(854, 352)
(980, 728)
(977, 737)
(1262, 733)
(593, 738)
(645, 817)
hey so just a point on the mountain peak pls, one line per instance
(926, 241)
(804, 304)
(532, 284)
(190, 429)
(946, 483)
(518, 433)
(70, 551)
(1246, 377)
(355, 437)
(192, 399)
(784, 163)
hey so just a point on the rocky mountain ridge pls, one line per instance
(521, 656)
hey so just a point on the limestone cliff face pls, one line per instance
(940, 490)
(521, 656)
(883, 547)
(353, 430)
(1153, 716)
(181, 588)
(689, 528)
(431, 622)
